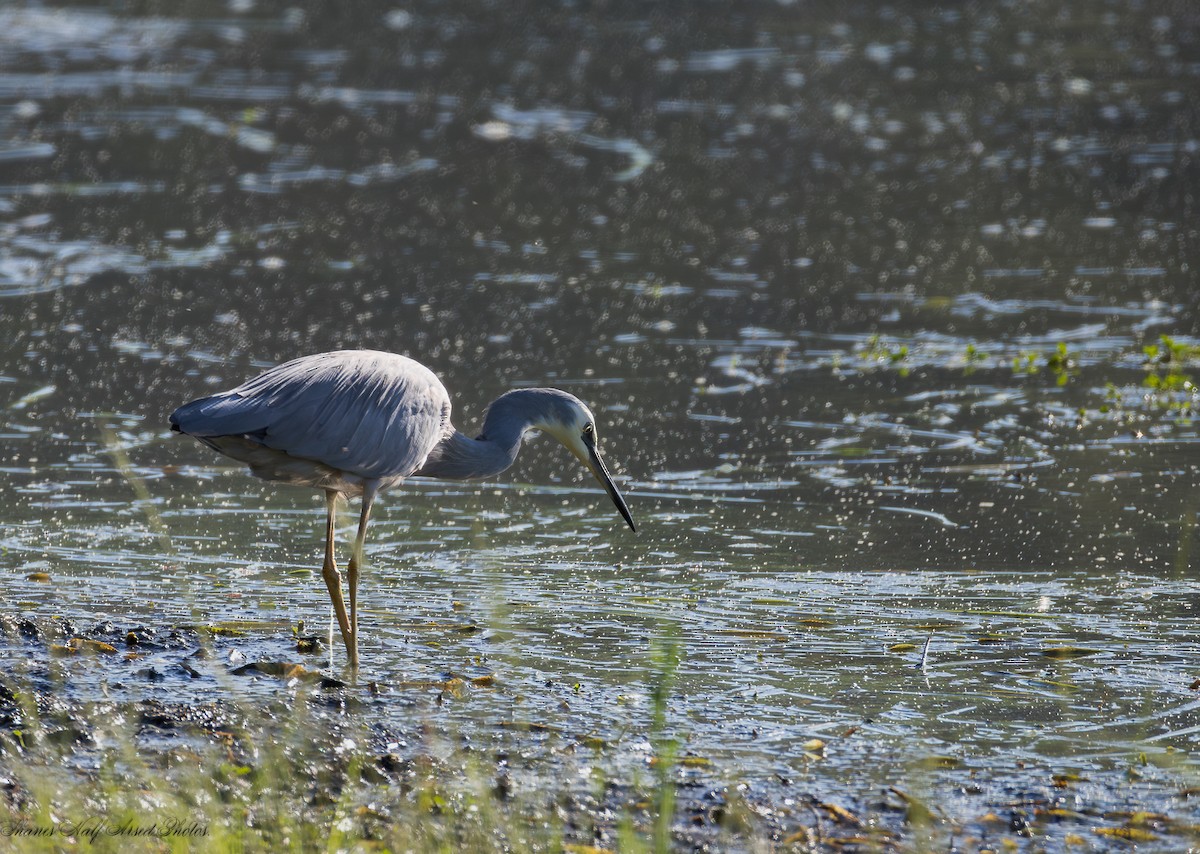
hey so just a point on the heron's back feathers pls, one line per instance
(372, 415)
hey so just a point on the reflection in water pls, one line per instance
(874, 304)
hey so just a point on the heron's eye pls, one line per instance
(589, 430)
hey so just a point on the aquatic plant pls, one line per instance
(876, 349)
(973, 358)
(1026, 363)
(1169, 385)
(1061, 363)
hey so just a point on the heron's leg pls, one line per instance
(370, 490)
(333, 578)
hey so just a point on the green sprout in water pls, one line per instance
(1169, 386)
(973, 358)
(1114, 401)
(876, 350)
(1026, 363)
(1061, 363)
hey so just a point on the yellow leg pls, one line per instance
(333, 579)
(369, 492)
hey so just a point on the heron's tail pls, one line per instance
(220, 415)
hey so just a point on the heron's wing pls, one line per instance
(376, 415)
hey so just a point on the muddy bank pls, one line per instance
(192, 709)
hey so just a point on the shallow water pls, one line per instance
(861, 302)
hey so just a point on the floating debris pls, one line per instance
(288, 670)
(1068, 652)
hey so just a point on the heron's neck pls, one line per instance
(459, 457)
(510, 416)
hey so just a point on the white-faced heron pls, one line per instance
(355, 422)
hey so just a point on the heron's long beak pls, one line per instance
(597, 467)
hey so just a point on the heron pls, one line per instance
(356, 422)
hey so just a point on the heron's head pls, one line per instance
(567, 419)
